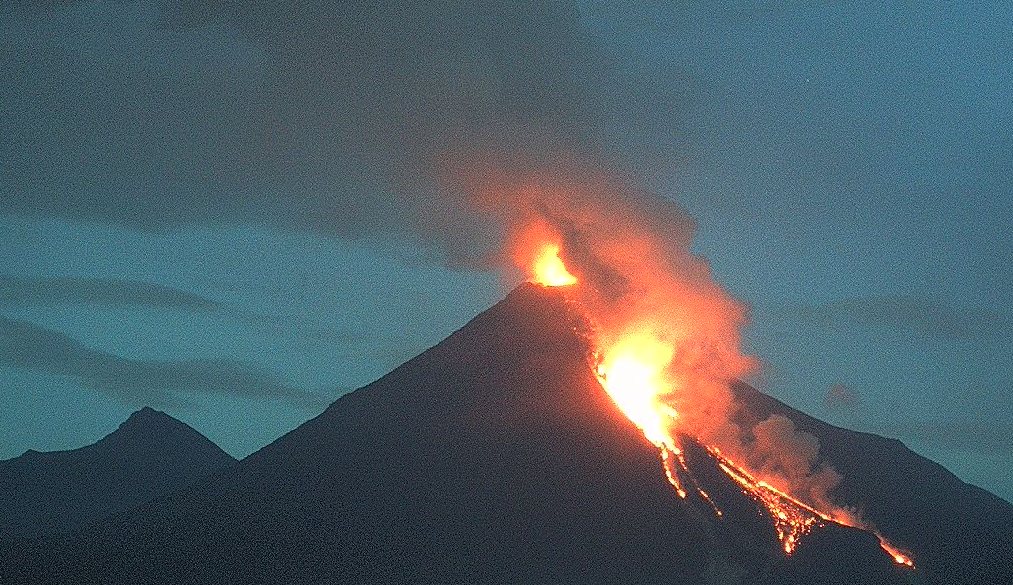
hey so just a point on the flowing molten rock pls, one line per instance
(498, 457)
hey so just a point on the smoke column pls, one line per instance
(480, 128)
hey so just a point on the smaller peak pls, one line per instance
(30, 455)
(148, 428)
(146, 418)
(147, 411)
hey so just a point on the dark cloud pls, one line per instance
(21, 291)
(337, 117)
(119, 293)
(157, 383)
(343, 117)
(17, 291)
(910, 314)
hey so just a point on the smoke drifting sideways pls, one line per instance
(659, 318)
(334, 117)
(477, 127)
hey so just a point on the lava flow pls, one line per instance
(792, 518)
(647, 372)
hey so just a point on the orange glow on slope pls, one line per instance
(792, 518)
(899, 557)
(548, 269)
(632, 373)
(670, 471)
(675, 345)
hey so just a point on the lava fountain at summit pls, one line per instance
(549, 270)
(654, 377)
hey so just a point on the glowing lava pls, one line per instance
(643, 370)
(632, 374)
(899, 557)
(548, 269)
(792, 518)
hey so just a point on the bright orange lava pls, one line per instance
(632, 373)
(792, 518)
(898, 557)
(548, 269)
(633, 370)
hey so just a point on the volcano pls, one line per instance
(497, 457)
(150, 455)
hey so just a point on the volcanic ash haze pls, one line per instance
(665, 334)
(460, 124)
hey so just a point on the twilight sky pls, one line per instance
(230, 211)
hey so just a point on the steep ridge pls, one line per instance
(493, 457)
(151, 454)
(961, 532)
(486, 459)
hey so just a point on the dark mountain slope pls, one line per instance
(494, 457)
(962, 533)
(484, 460)
(150, 455)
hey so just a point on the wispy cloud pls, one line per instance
(40, 291)
(156, 383)
(919, 315)
(36, 291)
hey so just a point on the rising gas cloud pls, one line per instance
(485, 129)
(667, 334)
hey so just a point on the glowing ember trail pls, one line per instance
(632, 374)
(792, 518)
(634, 367)
(899, 557)
(670, 471)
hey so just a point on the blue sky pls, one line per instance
(198, 211)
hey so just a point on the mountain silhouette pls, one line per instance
(150, 455)
(496, 457)
(960, 532)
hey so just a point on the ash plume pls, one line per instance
(790, 457)
(470, 126)
(630, 250)
(335, 117)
